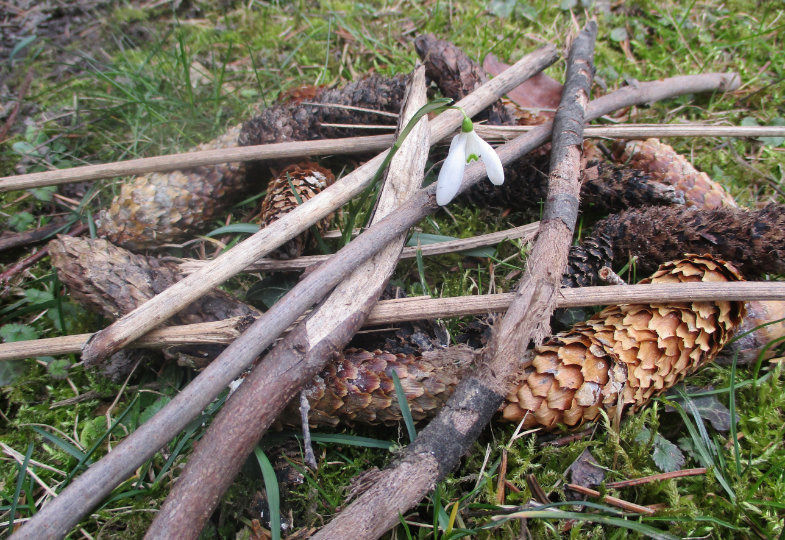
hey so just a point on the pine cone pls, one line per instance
(113, 281)
(753, 240)
(157, 208)
(358, 387)
(625, 354)
(307, 180)
(300, 122)
(457, 75)
(665, 165)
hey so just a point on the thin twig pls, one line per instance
(349, 145)
(614, 501)
(636, 131)
(524, 232)
(656, 478)
(410, 309)
(10, 272)
(185, 160)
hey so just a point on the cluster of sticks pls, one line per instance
(298, 357)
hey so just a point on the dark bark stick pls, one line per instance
(439, 447)
(56, 518)
(13, 240)
(221, 453)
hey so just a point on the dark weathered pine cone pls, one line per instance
(626, 354)
(113, 281)
(302, 180)
(666, 165)
(585, 261)
(606, 187)
(753, 239)
(457, 75)
(158, 208)
(298, 121)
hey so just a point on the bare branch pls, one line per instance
(409, 309)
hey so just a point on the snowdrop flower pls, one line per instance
(464, 148)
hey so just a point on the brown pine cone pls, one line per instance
(753, 240)
(158, 208)
(298, 121)
(457, 75)
(358, 387)
(665, 165)
(113, 281)
(307, 180)
(626, 354)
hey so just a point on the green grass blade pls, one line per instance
(20, 480)
(65, 446)
(635, 526)
(732, 410)
(273, 496)
(234, 228)
(406, 413)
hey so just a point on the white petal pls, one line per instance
(493, 165)
(451, 175)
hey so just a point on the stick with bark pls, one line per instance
(439, 447)
(304, 352)
(55, 519)
(166, 304)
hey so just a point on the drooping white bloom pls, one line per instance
(465, 147)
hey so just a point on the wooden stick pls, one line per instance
(173, 299)
(300, 356)
(635, 131)
(656, 478)
(439, 447)
(524, 232)
(349, 145)
(56, 519)
(409, 309)
(614, 501)
(185, 160)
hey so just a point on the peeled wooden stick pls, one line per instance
(438, 448)
(627, 131)
(55, 519)
(171, 162)
(409, 309)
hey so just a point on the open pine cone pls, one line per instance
(626, 354)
